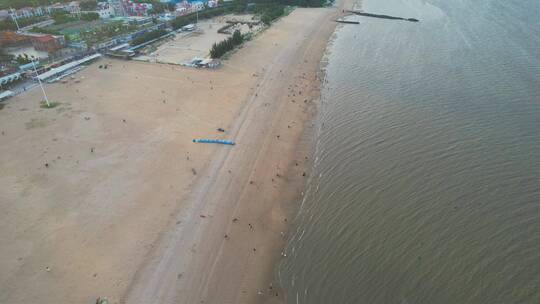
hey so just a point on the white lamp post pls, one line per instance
(41, 85)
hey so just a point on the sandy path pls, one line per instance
(257, 182)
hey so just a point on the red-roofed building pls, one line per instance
(48, 43)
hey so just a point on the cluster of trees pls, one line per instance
(23, 59)
(220, 48)
(16, 4)
(89, 16)
(65, 17)
(45, 30)
(181, 21)
(62, 17)
(270, 12)
(88, 5)
(148, 36)
(8, 24)
(105, 32)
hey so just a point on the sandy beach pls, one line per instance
(106, 195)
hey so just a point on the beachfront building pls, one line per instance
(39, 11)
(48, 43)
(27, 12)
(71, 7)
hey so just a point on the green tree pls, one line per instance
(90, 16)
(88, 5)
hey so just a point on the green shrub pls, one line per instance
(148, 36)
(62, 17)
(220, 48)
(88, 5)
(90, 16)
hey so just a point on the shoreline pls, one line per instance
(220, 268)
(256, 282)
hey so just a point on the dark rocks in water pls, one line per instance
(383, 16)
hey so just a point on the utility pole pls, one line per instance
(41, 85)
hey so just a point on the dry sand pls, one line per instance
(106, 195)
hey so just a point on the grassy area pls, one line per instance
(51, 105)
(93, 32)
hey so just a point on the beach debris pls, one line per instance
(226, 236)
(194, 171)
(92, 150)
(283, 254)
(94, 275)
(86, 118)
(220, 130)
(250, 226)
(123, 120)
(48, 269)
(46, 165)
(254, 249)
(202, 215)
(179, 276)
(259, 292)
(214, 141)
(303, 173)
(235, 220)
(251, 182)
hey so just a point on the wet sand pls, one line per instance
(106, 195)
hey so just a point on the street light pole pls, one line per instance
(41, 85)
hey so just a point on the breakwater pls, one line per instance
(360, 13)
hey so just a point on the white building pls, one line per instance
(105, 10)
(118, 7)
